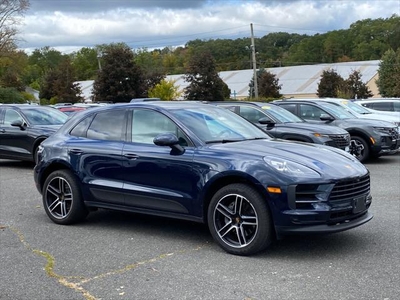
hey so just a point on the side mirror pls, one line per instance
(170, 140)
(325, 117)
(18, 123)
(266, 121)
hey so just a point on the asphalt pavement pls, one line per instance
(115, 255)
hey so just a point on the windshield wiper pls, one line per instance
(224, 141)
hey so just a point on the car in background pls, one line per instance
(23, 127)
(362, 112)
(69, 109)
(369, 138)
(382, 104)
(280, 123)
(201, 163)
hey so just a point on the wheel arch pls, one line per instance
(222, 181)
(55, 166)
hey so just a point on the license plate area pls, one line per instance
(359, 204)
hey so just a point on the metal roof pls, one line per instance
(294, 80)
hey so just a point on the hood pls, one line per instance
(320, 128)
(46, 129)
(387, 118)
(366, 122)
(329, 162)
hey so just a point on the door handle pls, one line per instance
(75, 151)
(131, 156)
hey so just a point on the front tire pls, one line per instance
(62, 198)
(239, 220)
(362, 154)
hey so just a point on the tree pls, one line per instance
(268, 85)
(357, 88)
(10, 95)
(165, 90)
(11, 12)
(86, 63)
(389, 74)
(120, 78)
(204, 81)
(58, 84)
(330, 84)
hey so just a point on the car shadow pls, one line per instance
(296, 247)
(16, 164)
(384, 160)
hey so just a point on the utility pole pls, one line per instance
(253, 49)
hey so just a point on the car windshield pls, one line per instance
(41, 116)
(282, 114)
(218, 125)
(337, 111)
(356, 107)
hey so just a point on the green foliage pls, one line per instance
(165, 90)
(11, 95)
(389, 74)
(204, 81)
(59, 84)
(268, 85)
(86, 63)
(357, 88)
(331, 82)
(120, 78)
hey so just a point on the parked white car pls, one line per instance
(361, 112)
(387, 106)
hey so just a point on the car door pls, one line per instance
(155, 177)
(15, 141)
(95, 150)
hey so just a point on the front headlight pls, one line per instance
(320, 135)
(291, 168)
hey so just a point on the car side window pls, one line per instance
(108, 125)
(147, 124)
(386, 106)
(396, 106)
(81, 128)
(310, 112)
(290, 107)
(251, 114)
(12, 116)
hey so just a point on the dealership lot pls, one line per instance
(115, 255)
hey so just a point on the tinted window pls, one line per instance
(147, 124)
(81, 128)
(252, 114)
(289, 107)
(386, 106)
(396, 106)
(109, 125)
(310, 112)
(11, 116)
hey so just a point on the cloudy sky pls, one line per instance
(69, 25)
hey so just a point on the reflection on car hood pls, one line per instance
(320, 128)
(366, 122)
(329, 161)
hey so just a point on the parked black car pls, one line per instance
(201, 163)
(24, 127)
(369, 138)
(282, 124)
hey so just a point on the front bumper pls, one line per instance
(325, 228)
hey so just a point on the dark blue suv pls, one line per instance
(201, 163)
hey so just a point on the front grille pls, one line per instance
(350, 189)
(394, 133)
(341, 140)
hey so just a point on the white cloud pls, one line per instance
(148, 24)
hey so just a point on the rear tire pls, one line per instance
(239, 220)
(62, 198)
